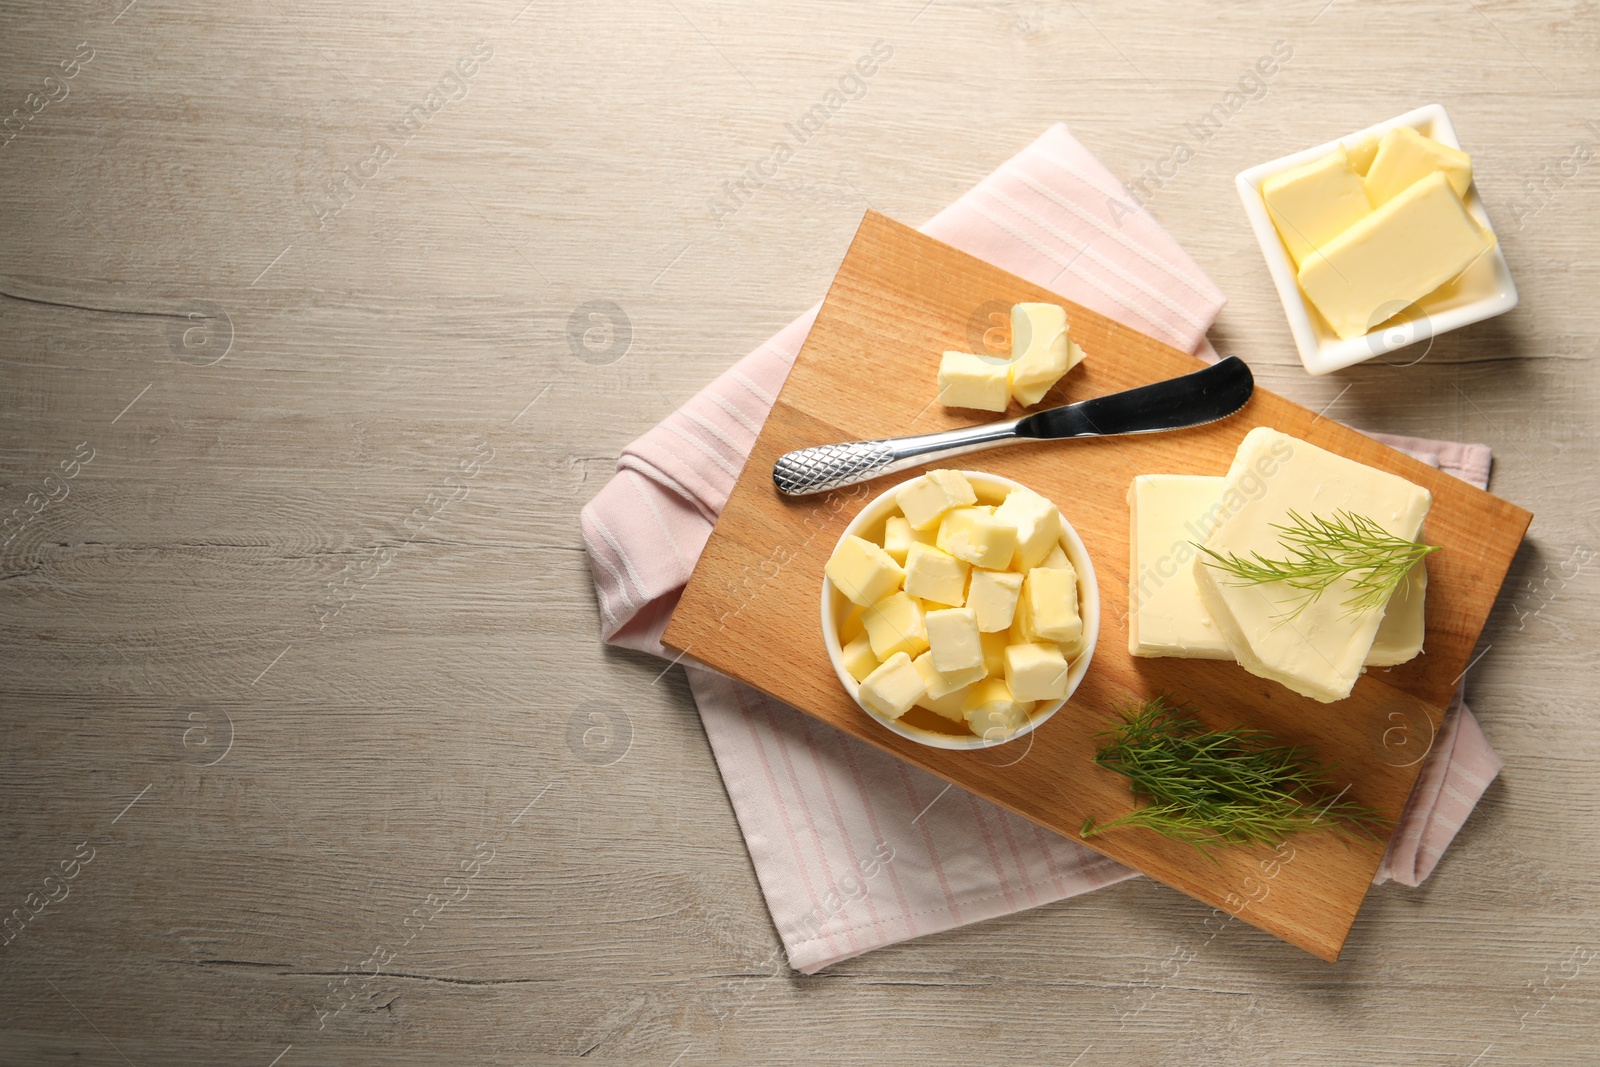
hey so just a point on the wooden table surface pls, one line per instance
(297, 420)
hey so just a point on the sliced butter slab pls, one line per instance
(1393, 257)
(1315, 202)
(1168, 514)
(1320, 652)
(1405, 157)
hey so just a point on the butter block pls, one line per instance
(1038, 524)
(1036, 672)
(897, 538)
(1040, 350)
(941, 684)
(991, 711)
(1314, 203)
(863, 571)
(1319, 653)
(1405, 157)
(924, 501)
(858, 658)
(953, 639)
(895, 624)
(934, 574)
(1049, 607)
(1168, 514)
(972, 381)
(979, 537)
(992, 595)
(894, 687)
(1393, 257)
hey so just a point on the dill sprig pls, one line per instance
(1322, 551)
(1210, 787)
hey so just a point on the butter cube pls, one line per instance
(994, 651)
(952, 705)
(991, 711)
(1392, 258)
(1057, 559)
(1036, 672)
(863, 572)
(993, 598)
(894, 687)
(972, 381)
(1050, 606)
(933, 574)
(941, 684)
(924, 500)
(858, 658)
(1040, 350)
(1038, 524)
(852, 627)
(1405, 157)
(895, 624)
(1315, 202)
(979, 537)
(897, 538)
(953, 639)
(1319, 652)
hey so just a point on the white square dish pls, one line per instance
(1482, 291)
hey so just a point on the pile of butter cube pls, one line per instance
(968, 610)
(1374, 228)
(1042, 350)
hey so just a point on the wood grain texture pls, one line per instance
(231, 503)
(867, 370)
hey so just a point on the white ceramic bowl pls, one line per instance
(1483, 290)
(991, 489)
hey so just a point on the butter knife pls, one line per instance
(1177, 403)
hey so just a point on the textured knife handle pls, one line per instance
(825, 467)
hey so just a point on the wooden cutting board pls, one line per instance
(868, 369)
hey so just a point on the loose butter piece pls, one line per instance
(1169, 514)
(1320, 652)
(1041, 351)
(992, 596)
(1315, 202)
(972, 381)
(1038, 524)
(992, 712)
(894, 687)
(924, 500)
(1049, 607)
(953, 639)
(895, 624)
(858, 658)
(898, 537)
(934, 574)
(1362, 152)
(979, 537)
(1405, 157)
(1036, 672)
(1392, 258)
(941, 684)
(863, 571)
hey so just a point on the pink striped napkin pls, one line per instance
(855, 849)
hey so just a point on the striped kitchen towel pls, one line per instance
(853, 848)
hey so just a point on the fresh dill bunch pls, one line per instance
(1322, 551)
(1211, 787)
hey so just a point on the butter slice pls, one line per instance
(934, 574)
(1392, 258)
(953, 640)
(1040, 352)
(894, 687)
(1320, 652)
(1315, 202)
(863, 571)
(1362, 153)
(1405, 157)
(1038, 524)
(972, 381)
(1036, 672)
(992, 596)
(923, 501)
(1168, 514)
(979, 537)
(895, 624)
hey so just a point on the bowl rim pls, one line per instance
(1321, 353)
(1089, 607)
